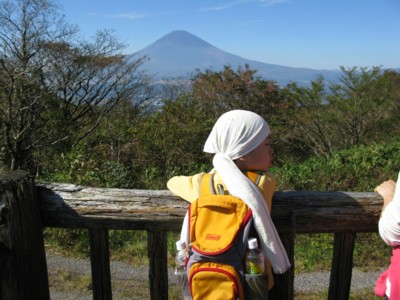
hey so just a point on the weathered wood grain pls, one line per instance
(65, 205)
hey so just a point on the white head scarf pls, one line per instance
(389, 223)
(235, 134)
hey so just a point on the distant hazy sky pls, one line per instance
(317, 34)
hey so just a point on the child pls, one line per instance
(388, 283)
(240, 142)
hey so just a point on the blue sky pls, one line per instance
(317, 34)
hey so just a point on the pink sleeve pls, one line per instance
(380, 285)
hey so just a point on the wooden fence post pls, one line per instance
(342, 266)
(158, 268)
(23, 272)
(100, 263)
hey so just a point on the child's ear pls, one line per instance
(241, 162)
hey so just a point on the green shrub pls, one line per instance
(81, 168)
(358, 169)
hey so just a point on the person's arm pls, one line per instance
(386, 190)
(389, 221)
(185, 187)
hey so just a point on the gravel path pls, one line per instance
(121, 271)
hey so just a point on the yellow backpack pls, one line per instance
(219, 227)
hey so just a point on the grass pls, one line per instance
(366, 294)
(68, 283)
(313, 252)
(64, 281)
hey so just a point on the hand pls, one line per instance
(386, 190)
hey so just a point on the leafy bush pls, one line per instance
(84, 168)
(357, 169)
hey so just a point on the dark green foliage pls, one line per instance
(83, 169)
(170, 143)
(360, 168)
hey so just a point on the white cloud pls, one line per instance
(272, 2)
(240, 2)
(128, 15)
(135, 15)
(251, 22)
(168, 12)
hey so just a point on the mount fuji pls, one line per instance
(179, 54)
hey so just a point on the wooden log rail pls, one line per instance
(97, 209)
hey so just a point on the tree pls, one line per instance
(55, 89)
(360, 102)
(218, 92)
(387, 126)
(309, 122)
(345, 114)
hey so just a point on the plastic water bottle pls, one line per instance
(255, 263)
(180, 269)
(180, 258)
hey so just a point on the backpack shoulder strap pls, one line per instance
(255, 177)
(206, 184)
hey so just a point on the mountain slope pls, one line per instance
(179, 54)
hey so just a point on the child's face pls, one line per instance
(259, 159)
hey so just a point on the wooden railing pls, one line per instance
(26, 208)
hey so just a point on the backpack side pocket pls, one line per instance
(215, 281)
